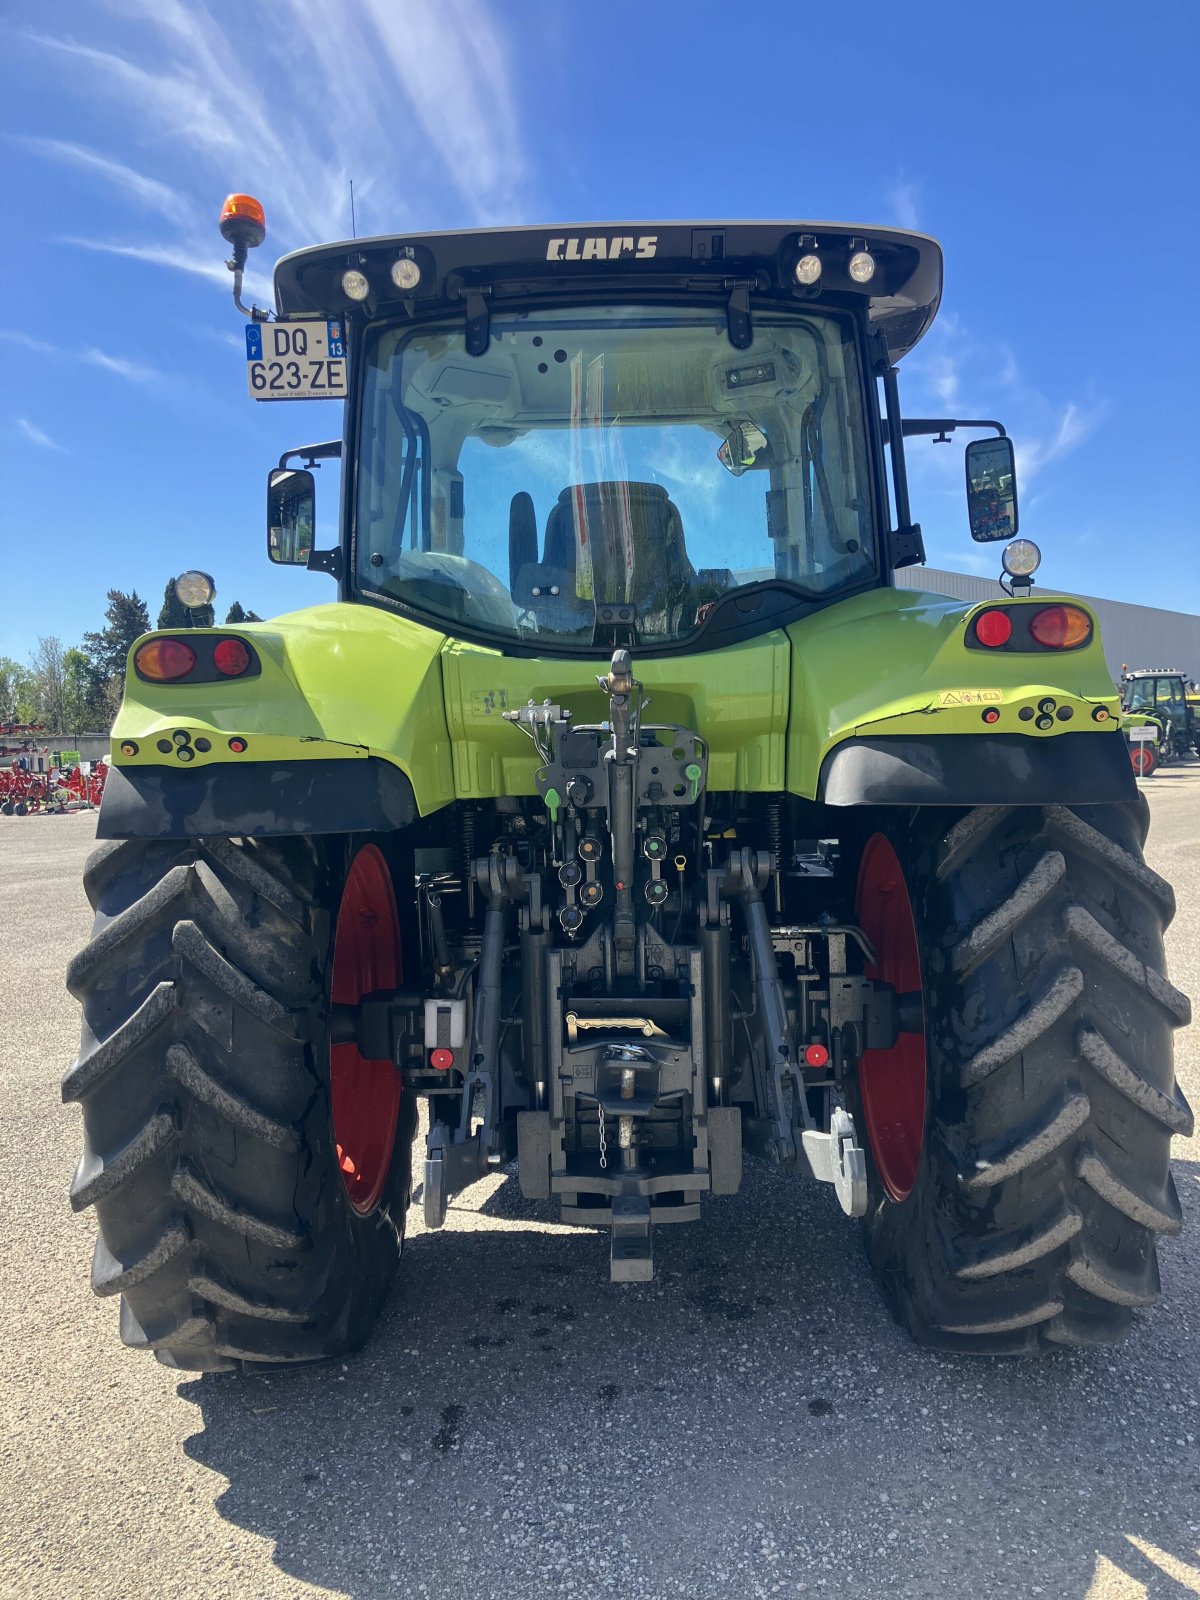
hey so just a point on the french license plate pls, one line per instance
(296, 360)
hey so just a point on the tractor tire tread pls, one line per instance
(223, 1222)
(1045, 1177)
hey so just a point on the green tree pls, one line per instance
(173, 614)
(48, 674)
(83, 701)
(126, 619)
(236, 614)
(16, 697)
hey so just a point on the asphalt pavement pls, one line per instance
(752, 1423)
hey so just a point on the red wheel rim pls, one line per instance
(365, 1094)
(1143, 759)
(892, 1082)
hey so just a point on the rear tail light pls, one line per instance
(163, 660)
(993, 628)
(231, 658)
(1060, 627)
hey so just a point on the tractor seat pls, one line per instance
(635, 535)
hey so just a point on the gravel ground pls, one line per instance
(752, 1423)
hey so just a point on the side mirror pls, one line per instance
(291, 515)
(991, 489)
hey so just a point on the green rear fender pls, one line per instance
(895, 665)
(338, 683)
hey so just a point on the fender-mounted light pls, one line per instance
(1060, 627)
(993, 628)
(231, 658)
(165, 660)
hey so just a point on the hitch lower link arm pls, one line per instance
(834, 1157)
(455, 1159)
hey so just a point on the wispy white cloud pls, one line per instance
(1035, 452)
(417, 105)
(134, 371)
(36, 435)
(902, 203)
(147, 192)
(955, 372)
(27, 341)
(181, 259)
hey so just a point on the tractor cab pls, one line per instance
(561, 442)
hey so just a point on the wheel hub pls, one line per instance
(365, 1094)
(892, 1082)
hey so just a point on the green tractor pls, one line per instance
(1160, 696)
(621, 809)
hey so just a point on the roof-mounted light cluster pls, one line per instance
(859, 266)
(404, 274)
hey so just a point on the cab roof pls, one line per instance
(611, 258)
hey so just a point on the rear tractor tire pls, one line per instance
(249, 1208)
(1018, 1154)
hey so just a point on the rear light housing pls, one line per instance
(165, 660)
(200, 658)
(231, 658)
(1029, 628)
(993, 628)
(1060, 627)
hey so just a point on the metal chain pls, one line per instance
(603, 1141)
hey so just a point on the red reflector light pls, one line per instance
(237, 746)
(443, 1060)
(165, 659)
(991, 715)
(816, 1055)
(1060, 627)
(993, 628)
(231, 658)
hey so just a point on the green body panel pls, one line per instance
(736, 699)
(338, 681)
(352, 681)
(895, 662)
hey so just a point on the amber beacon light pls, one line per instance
(243, 221)
(243, 224)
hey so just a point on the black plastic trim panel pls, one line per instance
(258, 799)
(977, 769)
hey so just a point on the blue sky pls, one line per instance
(1052, 148)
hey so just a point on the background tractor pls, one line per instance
(623, 810)
(1161, 693)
